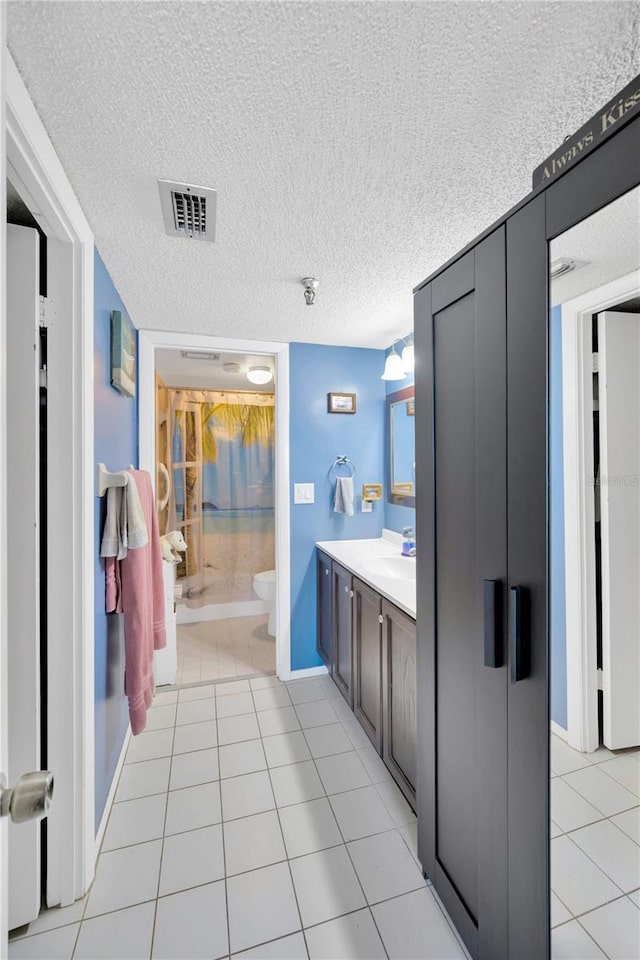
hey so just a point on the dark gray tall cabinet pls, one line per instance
(481, 327)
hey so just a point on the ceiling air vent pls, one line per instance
(198, 355)
(188, 211)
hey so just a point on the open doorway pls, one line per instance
(215, 462)
(594, 546)
(219, 584)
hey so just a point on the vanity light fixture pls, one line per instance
(393, 368)
(259, 374)
(407, 357)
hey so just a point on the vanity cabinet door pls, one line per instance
(325, 608)
(399, 698)
(367, 651)
(341, 666)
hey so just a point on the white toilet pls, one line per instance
(264, 585)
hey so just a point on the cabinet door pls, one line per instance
(367, 643)
(399, 698)
(325, 620)
(528, 815)
(341, 668)
(462, 790)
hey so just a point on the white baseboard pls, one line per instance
(559, 731)
(308, 672)
(112, 792)
(219, 611)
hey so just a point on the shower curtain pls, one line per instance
(221, 455)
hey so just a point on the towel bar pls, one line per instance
(346, 462)
(106, 479)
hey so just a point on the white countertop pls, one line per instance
(353, 554)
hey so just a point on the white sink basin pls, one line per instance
(398, 568)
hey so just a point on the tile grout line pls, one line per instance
(164, 827)
(293, 886)
(224, 848)
(328, 797)
(598, 865)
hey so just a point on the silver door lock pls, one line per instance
(30, 799)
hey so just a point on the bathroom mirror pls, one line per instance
(594, 560)
(400, 432)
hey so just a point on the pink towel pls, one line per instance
(139, 593)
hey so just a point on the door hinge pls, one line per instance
(43, 312)
(43, 378)
(600, 679)
(594, 362)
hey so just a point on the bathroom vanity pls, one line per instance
(367, 639)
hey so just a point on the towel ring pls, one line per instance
(344, 462)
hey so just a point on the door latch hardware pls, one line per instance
(30, 799)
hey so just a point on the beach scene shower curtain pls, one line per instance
(222, 492)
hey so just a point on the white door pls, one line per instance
(23, 565)
(619, 376)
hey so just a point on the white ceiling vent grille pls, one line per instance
(188, 211)
(558, 268)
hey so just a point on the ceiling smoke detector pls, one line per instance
(198, 355)
(231, 367)
(188, 211)
(310, 285)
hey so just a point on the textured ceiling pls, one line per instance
(176, 371)
(362, 143)
(607, 243)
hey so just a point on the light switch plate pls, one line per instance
(304, 493)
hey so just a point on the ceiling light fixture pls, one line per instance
(393, 369)
(259, 374)
(310, 285)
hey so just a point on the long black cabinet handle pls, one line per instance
(516, 639)
(492, 618)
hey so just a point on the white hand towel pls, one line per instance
(125, 526)
(344, 496)
(137, 533)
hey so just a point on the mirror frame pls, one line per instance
(407, 393)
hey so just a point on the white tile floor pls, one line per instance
(595, 853)
(251, 821)
(219, 649)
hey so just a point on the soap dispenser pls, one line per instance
(408, 542)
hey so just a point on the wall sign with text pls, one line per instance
(622, 108)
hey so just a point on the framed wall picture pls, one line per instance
(341, 402)
(411, 408)
(123, 354)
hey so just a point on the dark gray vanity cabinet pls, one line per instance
(334, 642)
(342, 660)
(325, 606)
(399, 698)
(367, 660)
(369, 647)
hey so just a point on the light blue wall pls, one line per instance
(395, 516)
(556, 537)
(316, 439)
(116, 445)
